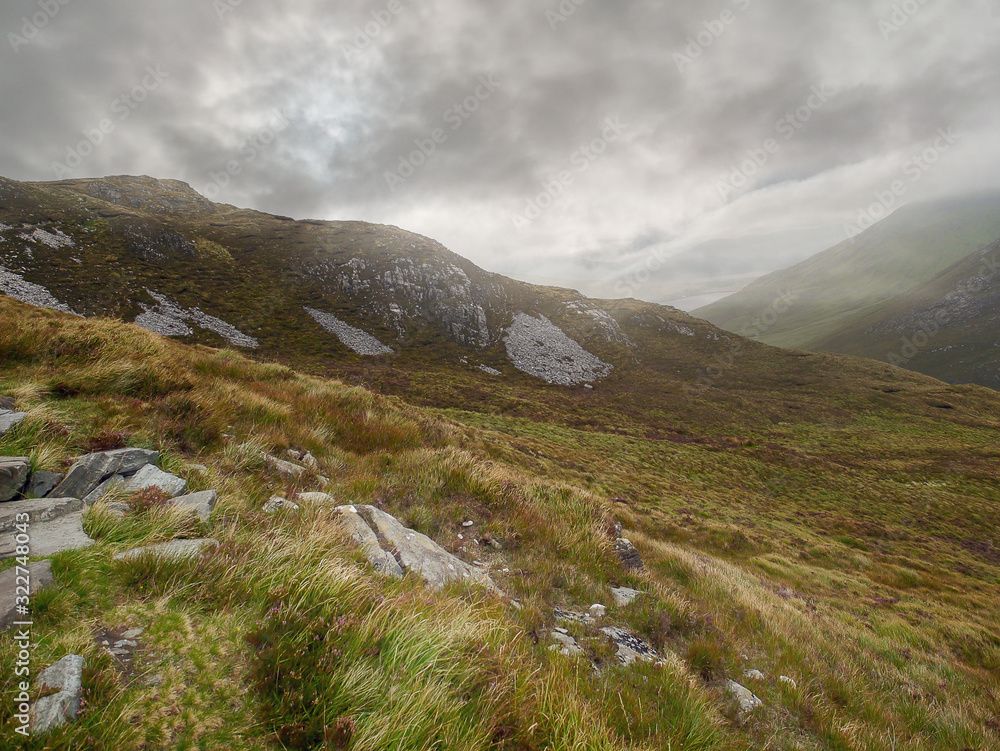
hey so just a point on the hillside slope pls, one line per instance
(947, 328)
(836, 289)
(403, 315)
(852, 563)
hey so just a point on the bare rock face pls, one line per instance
(91, 470)
(13, 475)
(57, 709)
(381, 538)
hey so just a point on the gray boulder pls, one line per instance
(320, 498)
(175, 550)
(91, 470)
(13, 475)
(151, 476)
(624, 596)
(38, 510)
(283, 468)
(9, 419)
(567, 645)
(40, 484)
(200, 504)
(745, 699)
(628, 555)
(276, 503)
(411, 550)
(55, 710)
(51, 537)
(631, 649)
(39, 577)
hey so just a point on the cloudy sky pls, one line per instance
(585, 141)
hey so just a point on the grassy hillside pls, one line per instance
(838, 288)
(946, 328)
(852, 550)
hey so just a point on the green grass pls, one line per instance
(851, 555)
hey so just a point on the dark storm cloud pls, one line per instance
(495, 100)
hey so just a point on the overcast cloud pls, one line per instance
(502, 96)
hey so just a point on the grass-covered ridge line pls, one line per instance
(852, 556)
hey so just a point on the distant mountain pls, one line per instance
(402, 314)
(837, 300)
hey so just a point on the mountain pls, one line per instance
(402, 314)
(718, 546)
(837, 289)
(948, 327)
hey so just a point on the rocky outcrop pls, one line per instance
(14, 472)
(39, 577)
(36, 511)
(55, 710)
(173, 550)
(393, 549)
(91, 470)
(56, 526)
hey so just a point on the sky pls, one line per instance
(628, 148)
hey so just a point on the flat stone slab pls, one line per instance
(41, 483)
(631, 649)
(9, 418)
(151, 476)
(200, 504)
(39, 577)
(283, 468)
(91, 470)
(13, 475)
(381, 538)
(38, 510)
(358, 530)
(624, 596)
(51, 537)
(57, 709)
(104, 488)
(174, 550)
(319, 498)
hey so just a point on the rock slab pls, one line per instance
(624, 596)
(55, 710)
(567, 645)
(39, 577)
(628, 555)
(151, 476)
(53, 536)
(745, 698)
(200, 504)
(91, 470)
(13, 475)
(38, 510)
(631, 649)
(40, 484)
(411, 550)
